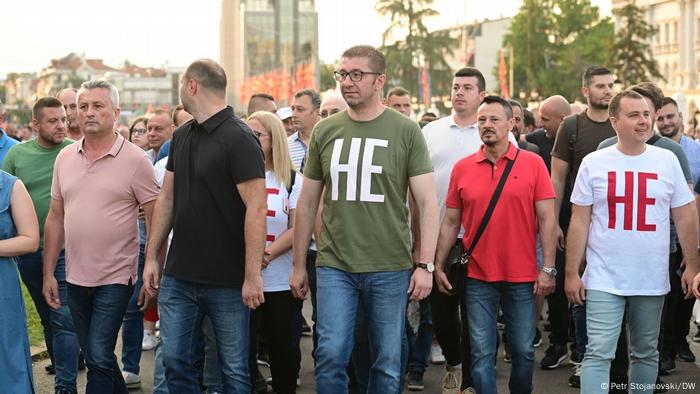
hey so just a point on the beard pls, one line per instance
(674, 132)
(599, 105)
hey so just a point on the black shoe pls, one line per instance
(50, 369)
(575, 378)
(554, 356)
(667, 365)
(538, 338)
(415, 381)
(684, 353)
(263, 359)
(576, 358)
(660, 387)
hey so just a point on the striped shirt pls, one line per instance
(297, 150)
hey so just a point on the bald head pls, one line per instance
(552, 112)
(332, 104)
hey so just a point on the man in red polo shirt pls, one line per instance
(503, 266)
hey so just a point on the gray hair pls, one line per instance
(101, 84)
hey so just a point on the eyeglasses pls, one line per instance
(355, 75)
(138, 131)
(260, 133)
(328, 112)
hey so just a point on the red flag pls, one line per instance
(502, 72)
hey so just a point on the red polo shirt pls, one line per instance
(506, 250)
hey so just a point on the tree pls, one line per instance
(419, 47)
(631, 52)
(553, 42)
(327, 80)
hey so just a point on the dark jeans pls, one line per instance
(280, 320)
(677, 311)
(132, 326)
(559, 305)
(59, 331)
(419, 342)
(97, 314)
(452, 333)
(182, 306)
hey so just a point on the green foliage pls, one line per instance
(631, 52)
(553, 42)
(403, 56)
(326, 76)
(21, 115)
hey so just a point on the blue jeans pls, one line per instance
(578, 313)
(383, 296)
(160, 386)
(59, 332)
(604, 315)
(182, 306)
(132, 326)
(518, 302)
(97, 314)
(419, 343)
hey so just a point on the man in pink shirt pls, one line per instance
(98, 185)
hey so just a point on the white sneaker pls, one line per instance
(132, 380)
(149, 341)
(436, 356)
(452, 379)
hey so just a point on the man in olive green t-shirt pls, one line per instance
(365, 158)
(32, 162)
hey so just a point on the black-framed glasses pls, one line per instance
(355, 75)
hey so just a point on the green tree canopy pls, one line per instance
(553, 42)
(418, 46)
(631, 54)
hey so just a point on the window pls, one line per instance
(667, 28)
(675, 32)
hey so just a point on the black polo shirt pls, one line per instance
(208, 160)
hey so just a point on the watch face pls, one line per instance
(430, 267)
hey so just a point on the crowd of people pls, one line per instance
(403, 234)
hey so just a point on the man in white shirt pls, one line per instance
(620, 218)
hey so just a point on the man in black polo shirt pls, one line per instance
(214, 198)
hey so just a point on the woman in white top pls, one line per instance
(280, 315)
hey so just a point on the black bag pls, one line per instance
(457, 271)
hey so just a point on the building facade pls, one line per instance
(268, 46)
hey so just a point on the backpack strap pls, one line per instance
(291, 183)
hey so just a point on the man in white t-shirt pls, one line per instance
(620, 218)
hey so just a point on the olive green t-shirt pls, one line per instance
(365, 167)
(33, 164)
(590, 134)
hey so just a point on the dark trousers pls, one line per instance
(280, 320)
(559, 315)
(452, 332)
(677, 310)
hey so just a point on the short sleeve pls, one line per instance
(8, 165)
(312, 167)
(170, 163)
(454, 200)
(246, 159)
(144, 183)
(583, 191)
(561, 145)
(418, 157)
(56, 179)
(543, 185)
(681, 193)
(296, 190)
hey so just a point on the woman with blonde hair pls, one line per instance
(280, 315)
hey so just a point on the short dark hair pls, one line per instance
(587, 77)
(668, 100)
(515, 103)
(529, 118)
(313, 95)
(44, 102)
(209, 74)
(256, 99)
(651, 91)
(492, 99)
(473, 72)
(377, 61)
(614, 106)
(397, 91)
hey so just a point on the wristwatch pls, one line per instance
(551, 271)
(430, 267)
